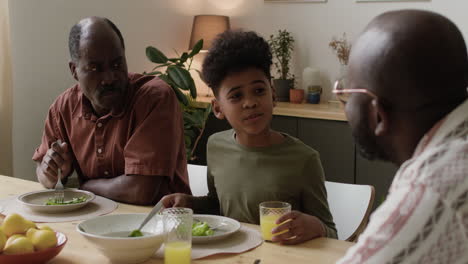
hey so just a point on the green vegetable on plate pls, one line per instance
(201, 229)
(81, 199)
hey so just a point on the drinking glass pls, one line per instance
(269, 213)
(178, 229)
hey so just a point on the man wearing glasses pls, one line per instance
(405, 100)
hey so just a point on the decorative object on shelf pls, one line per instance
(311, 80)
(207, 27)
(177, 75)
(313, 98)
(342, 48)
(282, 47)
(296, 1)
(296, 96)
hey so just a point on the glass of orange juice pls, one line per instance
(269, 213)
(178, 229)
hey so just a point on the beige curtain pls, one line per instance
(6, 87)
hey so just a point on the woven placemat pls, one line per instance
(99, 206)
(245, 239)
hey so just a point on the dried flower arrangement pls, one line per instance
(341, 47)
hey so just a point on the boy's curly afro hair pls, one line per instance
(235, 51)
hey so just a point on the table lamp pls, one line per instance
(207, 27)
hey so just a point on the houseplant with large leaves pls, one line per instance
(175, 71)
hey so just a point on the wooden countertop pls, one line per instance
(327, 110)
(78, 250)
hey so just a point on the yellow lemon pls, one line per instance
(14, 224)
(3, 240)
(42, 239)
(44, 227)
(18, 244)
(30, 224)
(30, 233)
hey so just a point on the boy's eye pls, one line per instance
(235, 96)
(260, 90)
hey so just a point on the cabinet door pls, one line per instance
(285, 124)
(376, 173)
(333, 140)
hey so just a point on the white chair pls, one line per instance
(197, 179)
(350, 205)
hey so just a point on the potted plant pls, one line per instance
(282, 47)
(176, 73)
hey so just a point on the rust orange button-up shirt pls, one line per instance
(145, 138)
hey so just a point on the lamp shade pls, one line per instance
(207, 27)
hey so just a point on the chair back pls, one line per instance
(197, 179)
(350, 205)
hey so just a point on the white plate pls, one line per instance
(36, 200)
(229, 227)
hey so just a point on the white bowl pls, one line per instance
(102, 231)
(36, 201)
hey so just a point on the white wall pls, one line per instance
(40, 52)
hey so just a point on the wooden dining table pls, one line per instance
(78, 250)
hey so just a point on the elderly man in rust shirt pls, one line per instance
(121, 132)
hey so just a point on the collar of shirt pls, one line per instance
(442, 128)
(84, 109)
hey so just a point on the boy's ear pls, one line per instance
(72, 67)
(216, 109)
(379, 119)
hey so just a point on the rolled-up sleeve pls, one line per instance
(51, 134)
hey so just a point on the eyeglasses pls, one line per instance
(343, 94)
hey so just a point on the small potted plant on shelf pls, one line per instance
(282, 47)
(176, 73)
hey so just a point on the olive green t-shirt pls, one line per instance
(240, 178)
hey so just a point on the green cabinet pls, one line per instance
(376, 173)
(333, 140)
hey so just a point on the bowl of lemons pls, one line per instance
(22, 241)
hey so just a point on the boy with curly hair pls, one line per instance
(252, 163)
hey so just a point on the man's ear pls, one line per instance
(217, 109)
(72, 67)
(379, 118)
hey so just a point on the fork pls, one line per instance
(59, 193)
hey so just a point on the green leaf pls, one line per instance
(161, 65)
(181, 77)
(173, 59)
(180, 95)
(190, 118)
(153, 73)
(190, 133)
(207, 112)
(193, 88)
(154, 55)
(196, 48)
(166, 79)
(188, 140)
(184, 57)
